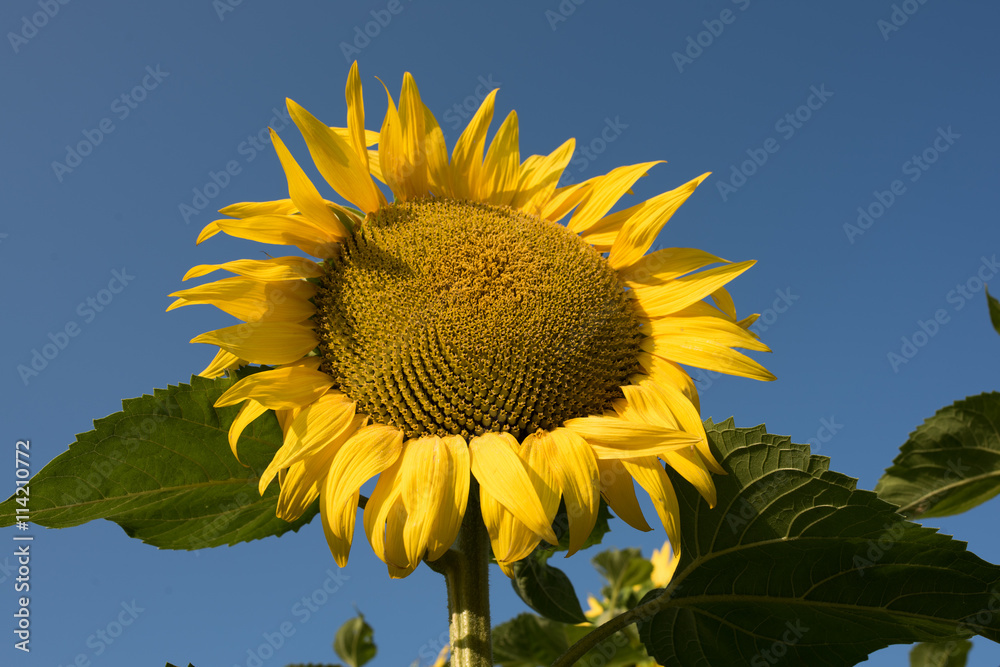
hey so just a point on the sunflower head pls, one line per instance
(460, 338)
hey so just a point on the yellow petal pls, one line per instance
(401, 144)
(222, 362)
(706, 354)
(411, 119)
(301, 484)
(502, 475)
(266, 270)
(615, 438)
(502, 166)
(665, 561)
(605, 193)
(356, 114)
(322, 426)
(667, 372)
(263, 342)
(667, 397)
(619, 492)
(435, 491)
(564, 199)
(664, 265)
(294, 230)
(281, 388)
(436, 153)
(208, 231)
(338, 521)
(535, 452)
(337, 161)
(641, 229)
(380, 504)
(365, 454)
(249, 209)
(467, 158)
(251, 300)
(724, 301)
(663, 300)
(649, 473)
(683, 330)
(304, 194)
(691, 467)
(249, 412)
(574, 464)
(539, 177)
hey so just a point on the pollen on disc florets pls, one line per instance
(452, 317)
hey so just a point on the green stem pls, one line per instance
(644, 611)
(467, 577)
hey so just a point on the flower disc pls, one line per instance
(452, 317)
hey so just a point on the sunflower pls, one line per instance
(459, 340)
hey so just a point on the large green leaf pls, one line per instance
(162, 469)
(941, 654)
(795, 564)
(951, 463)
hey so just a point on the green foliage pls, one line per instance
(941, 654)
(546, 589)
(625, 570)
(162, 469)
(530, 641)
(796, 563)
(951, 463)
(355, 642)
(994, 307)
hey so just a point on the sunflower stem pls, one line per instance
(467, 577)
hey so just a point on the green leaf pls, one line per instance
(162, 469)
(994, 307)
(530, 641)
(941, 654)
(546, 589)
(623, 569)
(951, 463)
(795, 563)
(354, 642)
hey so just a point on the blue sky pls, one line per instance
(853, 146)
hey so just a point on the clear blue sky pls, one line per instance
(914, 103)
